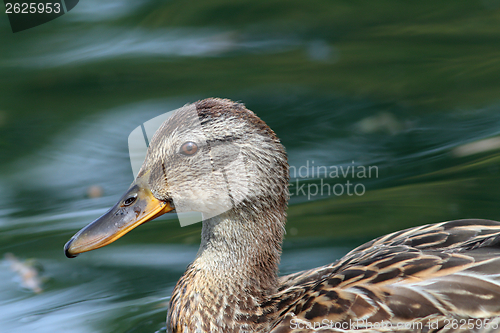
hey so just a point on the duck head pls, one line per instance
(215, 157)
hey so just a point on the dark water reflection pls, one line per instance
(412, 91)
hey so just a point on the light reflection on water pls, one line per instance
(95, 10)
(81, 297)
(112, 43)
(84, 295)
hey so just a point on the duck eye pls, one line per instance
(189, 148)
(130, 200)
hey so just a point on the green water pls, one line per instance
(399, 87)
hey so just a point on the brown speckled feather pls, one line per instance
(434, 275)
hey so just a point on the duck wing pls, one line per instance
(434, 277)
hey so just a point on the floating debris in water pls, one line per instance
(383, 122)
(477, 147)
(94, 191)
(320, 50)
(27, 271)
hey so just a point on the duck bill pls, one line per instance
(136, 207)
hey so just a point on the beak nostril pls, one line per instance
(130, 200)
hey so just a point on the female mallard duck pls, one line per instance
(443, 277)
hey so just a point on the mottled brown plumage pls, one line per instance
(443, 277)
(436, 275)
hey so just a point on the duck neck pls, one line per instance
(235, 272)
(242, 246)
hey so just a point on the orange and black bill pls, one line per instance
(136, 207)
